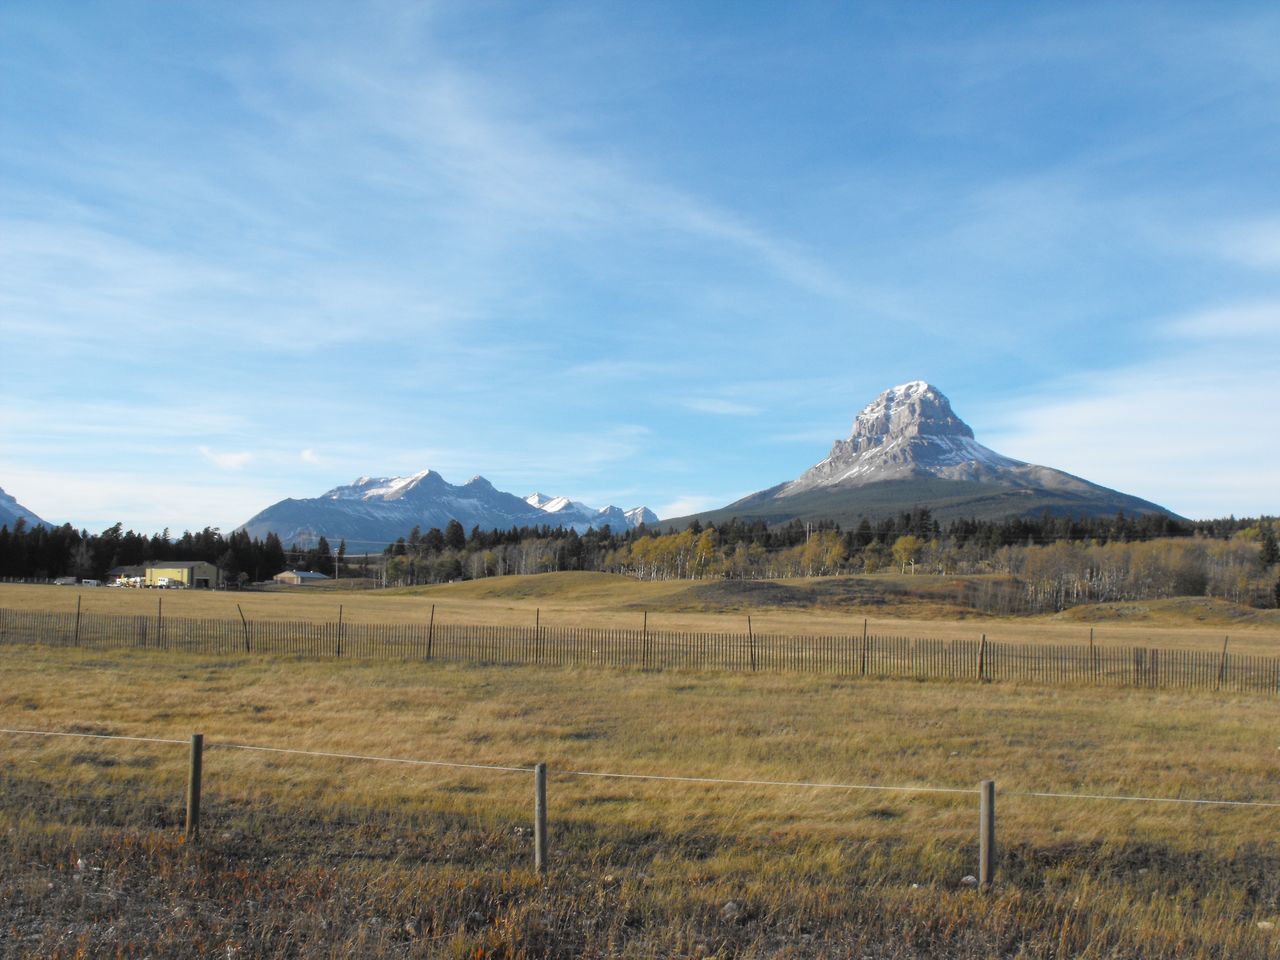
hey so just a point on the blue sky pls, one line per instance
(632, 253)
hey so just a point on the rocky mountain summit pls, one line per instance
(374, 511)
(907, 431)
(907, 448)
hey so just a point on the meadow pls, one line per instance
(920, 606)
(319, 856)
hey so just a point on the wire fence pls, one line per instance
(849, 655)
(382, 829)
(661, 778)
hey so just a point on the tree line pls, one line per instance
(1043, 563)
(38, 552)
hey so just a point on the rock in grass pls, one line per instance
(732, 912)
(969, 881)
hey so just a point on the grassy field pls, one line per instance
(308, 856)
(921, 606)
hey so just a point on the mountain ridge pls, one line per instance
(372, 512)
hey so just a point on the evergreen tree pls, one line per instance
(1269, 554)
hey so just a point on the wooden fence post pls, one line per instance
(1222, 664)
(193, 787)
(245, 624)
(431, 630)
(751, 639)
(76, 641)
(987, 834)
(339, 630)
(982, 659)
(540, 818)
(644, 644)
(864, 646)
(159, 623)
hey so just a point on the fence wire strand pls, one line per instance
(799, 784)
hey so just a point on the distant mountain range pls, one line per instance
(11, 511)
(907, 448)
(371, 513)
(572, 513)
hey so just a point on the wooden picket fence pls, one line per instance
(856, 655)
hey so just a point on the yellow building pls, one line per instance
(182, 573)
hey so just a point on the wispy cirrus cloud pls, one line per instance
(720, 407)
(1258, 322)
(1253, 243)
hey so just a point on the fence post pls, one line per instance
(76, 641)
(982, 659)
(339, 653)
(159, 623)
(431, 630)
(751, 637)
(193, 787)
(864, 646)
(540, 818)
(987, 834)
(245, 624)
(1222, 664)
(644, 646)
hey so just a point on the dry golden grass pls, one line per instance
(604, 600)
(645, 868)
(736, 726)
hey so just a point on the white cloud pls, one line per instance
(142, 500)
(719, 406)
(309, 456)
(1193, 430)
(226, 461)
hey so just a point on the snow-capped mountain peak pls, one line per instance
(908, 431)
(380, 488)
(573, 513)
(553, 504)
(907, 448)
